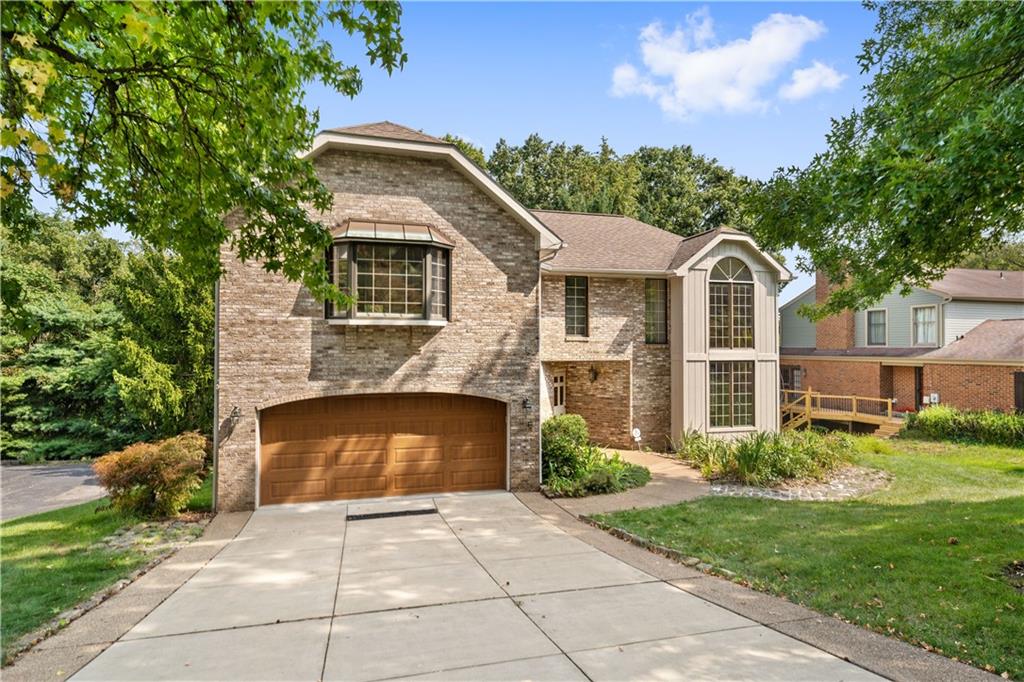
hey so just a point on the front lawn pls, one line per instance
(921, 559)
(51, 561)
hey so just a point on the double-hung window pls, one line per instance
(394, 273)
(732, 394)
(926, 325)
(656, 310)
(576, 304)
(876, 324)
(731, 304)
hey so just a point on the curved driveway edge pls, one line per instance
(60, 656)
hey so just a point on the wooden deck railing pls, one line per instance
(799, 407)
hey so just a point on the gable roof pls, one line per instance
(990, 340)
(387, 130)
(981, 285)
(385, 137)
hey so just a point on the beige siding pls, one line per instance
(691, 375)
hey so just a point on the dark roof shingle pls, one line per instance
(596, 241)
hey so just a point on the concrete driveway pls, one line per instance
(473, 587)
(31, 489)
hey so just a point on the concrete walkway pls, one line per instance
(671, 482)
(35, 488)
(480, 587)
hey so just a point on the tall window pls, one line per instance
(876, 327)
(390, 281)
(926, 326)
(732, 394)
(656, 310)
(731, 299)
(576, 306)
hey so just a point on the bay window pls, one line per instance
(391, 280)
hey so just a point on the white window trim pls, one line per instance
(913, 326)
(867, 327)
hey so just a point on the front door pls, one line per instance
(558, 393)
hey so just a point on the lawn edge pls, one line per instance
(29, 640)
(697, 564)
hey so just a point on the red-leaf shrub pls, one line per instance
(154, 479)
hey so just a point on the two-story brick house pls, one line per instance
(959, 341)
(474, 319)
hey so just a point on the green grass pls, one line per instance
(920, 560)
(48, 565)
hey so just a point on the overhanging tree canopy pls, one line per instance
(163, 116)
(930, 170)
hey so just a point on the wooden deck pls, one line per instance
(800, 408)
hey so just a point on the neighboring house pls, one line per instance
(958, 341)
(476, 318)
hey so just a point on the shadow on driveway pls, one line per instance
(36, 488)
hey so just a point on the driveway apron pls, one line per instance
(461, 587)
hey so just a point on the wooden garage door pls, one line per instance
(380, 445)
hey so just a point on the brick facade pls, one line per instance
(275, 346)
(966, 387)
(617, 349)
(840, 378)
(972, 387)
(838, 331)
(601, 397)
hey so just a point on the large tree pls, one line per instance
(930, 169)
(162, 117)
(673, 188)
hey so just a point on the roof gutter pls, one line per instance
(606, 272)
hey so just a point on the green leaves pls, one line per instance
(165, 117)
(929, 170)
(672, 188)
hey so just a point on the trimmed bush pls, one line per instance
(948, 423)
(564, 439)
(575, 468)
(154, 479)
(765, 459)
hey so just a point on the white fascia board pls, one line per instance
(797, 297)
(546, 239)
(784, 274)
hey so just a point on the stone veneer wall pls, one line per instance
(275, 346)
(617, 349)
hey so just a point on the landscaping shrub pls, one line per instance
(575, 468)
(564, 440)
(766, 458)
(948, 423)
(154, 479)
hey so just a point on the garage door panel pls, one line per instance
(297, 491)
(301, 461)
(410, 484)
(357, 458)
(370, 446)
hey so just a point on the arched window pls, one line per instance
(731, 298)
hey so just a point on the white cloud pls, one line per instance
(813, 79)
(686, 71)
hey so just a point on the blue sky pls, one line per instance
(505, 70)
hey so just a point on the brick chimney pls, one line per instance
(836, 332)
